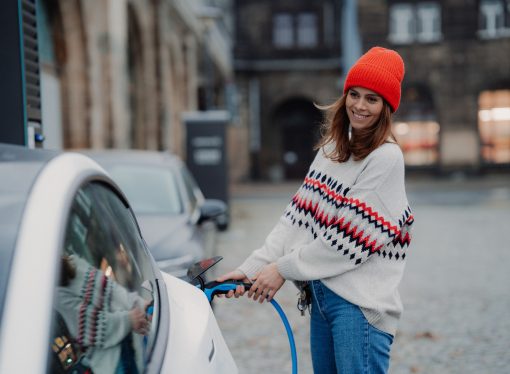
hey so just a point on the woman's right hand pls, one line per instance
(234, 275)
(139, 322)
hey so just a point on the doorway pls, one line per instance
(298, 122)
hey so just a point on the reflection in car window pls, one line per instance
(104, 306)
(151, 190)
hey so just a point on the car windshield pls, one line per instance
(150, 190)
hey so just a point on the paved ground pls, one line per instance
(455, 289)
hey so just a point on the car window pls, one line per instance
(150, 190)
(105, 311)
(192, 189)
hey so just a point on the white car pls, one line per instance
(79, 291)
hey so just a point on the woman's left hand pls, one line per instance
(266, 283)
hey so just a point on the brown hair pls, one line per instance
(67, 271)
(335, 129)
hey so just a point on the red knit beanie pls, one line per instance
(380, 70)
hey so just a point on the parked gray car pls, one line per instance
(178, 223)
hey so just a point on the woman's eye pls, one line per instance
(353, 94)
(372, 100)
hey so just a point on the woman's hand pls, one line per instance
(267, 283)
(139, 322)
(235, 275)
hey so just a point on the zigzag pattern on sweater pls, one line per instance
(96, 296)
(403, 239)
(305, 209)
(331, 191)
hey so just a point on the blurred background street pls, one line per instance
(455, 289)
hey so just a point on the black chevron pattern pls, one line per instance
(320, 193)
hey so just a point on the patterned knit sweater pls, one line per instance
(349, 226)
(96, 312)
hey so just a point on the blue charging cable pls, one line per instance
(214, 288)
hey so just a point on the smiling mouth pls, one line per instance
(359, 116)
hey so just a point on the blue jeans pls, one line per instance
(342, 340)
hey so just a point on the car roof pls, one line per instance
(138, 157)
(19, 169)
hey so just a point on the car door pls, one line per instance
(108, 298)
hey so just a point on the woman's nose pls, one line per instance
(360, 104)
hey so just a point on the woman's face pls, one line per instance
(363, 107)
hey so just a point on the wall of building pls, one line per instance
(128, 69)
(276, 77)
(453, 68)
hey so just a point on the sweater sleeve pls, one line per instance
(369, 217)
(272, 249)
(274, 244)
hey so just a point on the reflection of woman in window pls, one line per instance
(117, 264)
(100, 315)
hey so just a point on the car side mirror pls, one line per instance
(211, 209)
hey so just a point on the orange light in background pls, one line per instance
(494, 126)
(419, 141)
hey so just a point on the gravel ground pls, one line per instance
(455, 289)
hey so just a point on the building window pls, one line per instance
(401, 24)
(494, 19)
(419, 140)
(283, 31)
(494, 126)
(307, 30)
(415, 23)
(295, 30)
(429, 22)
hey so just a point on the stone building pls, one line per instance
(288, 57)
(119, 74)
(455, 112)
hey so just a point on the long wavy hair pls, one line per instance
(335, 129)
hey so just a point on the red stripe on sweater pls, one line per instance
(351, 230)
(89, 286)
(351, 201)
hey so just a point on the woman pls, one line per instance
(347, 229)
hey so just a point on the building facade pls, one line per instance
(455, 111)
(120, 74)
(288, 58)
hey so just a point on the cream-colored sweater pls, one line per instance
(348, 225)
(96, 312)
